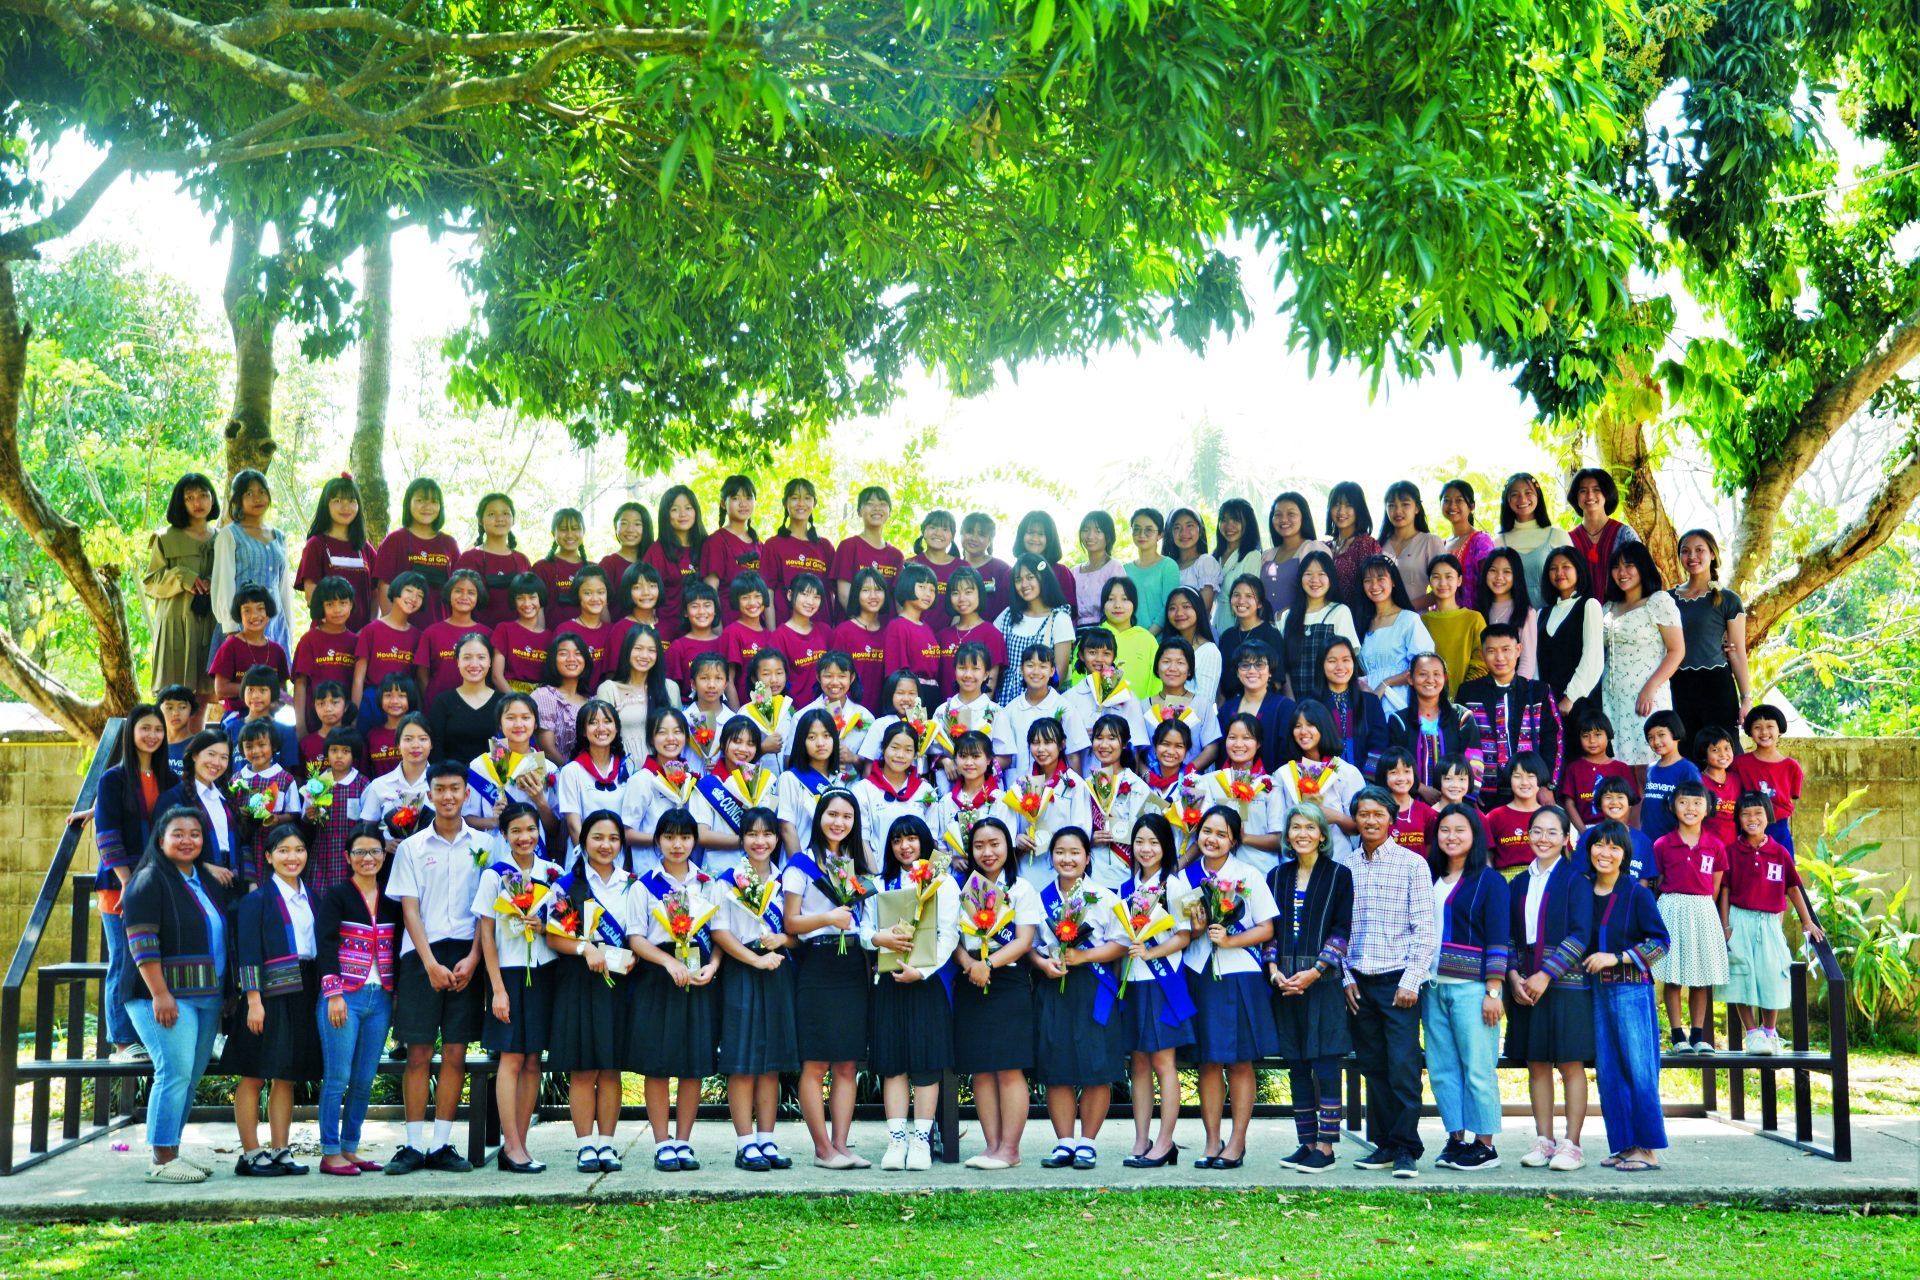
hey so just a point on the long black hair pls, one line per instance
(1364, 609)
(854, 846)
(128, 760)
(341, 486)
(1476, 852)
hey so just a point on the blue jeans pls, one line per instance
(180, 1054)
(1461, 1052)
(1626, 1037)
(120, 1028)
(352, 1056)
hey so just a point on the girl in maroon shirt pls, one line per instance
(633, 531)
(640, 588)
(803, 637)
(702, 634)
(560, 567)
(326, 651)
(733, 549)
(676, 556)
(996, 575)
(860, 634)
(970, 625)
(933, 550)
(909, 643)
(868, 548)
(590, 620)
(463, 597)
(748, 633)
(418, 546)
(496, 557)
(520, 644)
(389, 644)
(796, 547)
(337, 548)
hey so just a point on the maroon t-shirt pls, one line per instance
(869, 659)
(785, 557)
(383, 753)
(940, 616)
(952, 638)
(525, 649)
(319, 657)
(433, 558)
(996, 586)
(562, 604)
(1781, 779)
(325, 557)
(680, 656)
(1758, 879)
(1721, 822)
(911, 646)
(675, 574)
(437, 645)
(387, 649)
(1583, 776)
(726, 555)
(235, 655)
(738, 644)
(802, 653)
(497, 571)
(1507, 842)
(853, 555)
(1413, 827)
(1686, 868)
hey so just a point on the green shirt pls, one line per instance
(1155, 583)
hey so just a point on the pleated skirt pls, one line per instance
(912, 1030)
(588, 1028)
(1557, 1029)
(1696, 944)
(1071, 1049)
(757, 1026)
(1233, 1021)
(288, 1046)
(993, 1030)
(1149, 1028)
(675, 1031)
(529, 1013)
(832, 1003)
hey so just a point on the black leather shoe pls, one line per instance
(505, 1165)
(774, 1159)
(687, 1162)
(755, 1163)
(1205, 1162)
(261, 1165)
(406, 1160)
(667, 1160)
(588, 1161)
(610, 1160)
(1222, 1162)
(447, 1160)
(284, 1158)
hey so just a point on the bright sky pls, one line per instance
(1119, 406)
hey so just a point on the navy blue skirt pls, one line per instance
(588, 1027)
(757, 1020)
(831, 1002)
(1148, 1029)
(529, 1013)
(912, 1030)
(1557, 1029)
(675, 1030)
(1234, 1019)
(1072, 1049)
(993, 1029)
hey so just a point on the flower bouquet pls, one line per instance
(1223, 900)
(1108, 687)
(526, 771)
(766, 707)
(318, 791)
(677, 780)
(753, 891)
(985, 909)
(844, 884)
(705, 735)
(683, 916)
(1141, 917)
(1070, 927)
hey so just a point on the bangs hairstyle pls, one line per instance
(1249, 542)
(646, 527)
(797, 757)
(252, 595)
(795, 487)
(675, 822)
(636, 573)
(1172, 728)
(913, 827)
(733, 487)
(1477, 856)
(527, 584)
(258, 729)
(465, 575)
(1517, 595)
(803, 583)
(854, 846)
(561, 519)
(1298, 501)
(1050, 534)
(1101, 521)
(909, 580)
(584, 716)
(1593, 721)
(670, 546)
(1548, 592)
(1394, 758)
(1364, 609)
(588, 572)
(861, 579)
(1609, 489)
(1408, 489)
(550, 676)
(1507, 519)
(1314, 712)
(325, 592)
(747, 584)
(399, 680)
(418, 486)
(480, 519)
(1608, 831)
(1202, 616)
(760, 818)
(1251, 723)
(191, 482)
(1042, 571)
(981, 525)
(341, 486)
(1046, 729)
(1119, 728)
(935, 519)
(1157, 823)
(1353, 495)
(966, 576)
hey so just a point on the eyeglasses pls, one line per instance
(366, 853)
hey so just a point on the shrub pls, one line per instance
(1871, 933)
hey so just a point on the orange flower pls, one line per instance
(983, 918)
(1140, 920)
(680, 924)
(1067, 931)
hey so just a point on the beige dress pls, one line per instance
(181, 637)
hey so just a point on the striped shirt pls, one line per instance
(1394, 925)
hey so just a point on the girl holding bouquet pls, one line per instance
(1050, 796)
(1116, 795)
(663, 781)
(893, 788)
(1314, 896)
(1320, 773)
(588, 916)
(824, 887)
(511, 769)
(1081, 1040)
(721, 797)
(675, 1031)
(1158, 1011)
(813, 764)
(993, 1028)
(1242, 784)
(512, 932)
(1232, 913)
(912, 1022)
(757, 1039)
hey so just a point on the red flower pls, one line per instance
(1067, 931)
(680, 924)
(983, 919)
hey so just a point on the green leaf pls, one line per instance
(1042, 26)
(670, 163)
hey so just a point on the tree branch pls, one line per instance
(24, 242)
(1620, 437)
(1825, 412)
(1821, 564)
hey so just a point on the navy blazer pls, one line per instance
(233, 859)
(1322, 932)
(121, 823)
(1627, 923)
(1566, 925)
(1475, 927)
(1366, 731)
(265, 954)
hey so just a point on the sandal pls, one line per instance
(1636, 1165)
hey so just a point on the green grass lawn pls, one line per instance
(1080, 1235)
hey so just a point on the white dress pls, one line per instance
(1635, 649)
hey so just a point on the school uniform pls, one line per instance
(1757, 957)
(391, 792)
(720, 802)
(1696, 941)
(981, 633)
(1158, 1008)
(959, 808)
(785, 556)
(1200, 717)
(774, 720)
(797, 795)
(880, 803)
(647, 795)
(1332, 784)
(1475, 914)
(994, 1029)
(956, 717)
(1781, 781)
(1310, 932)
(703, 734)
(1064, 802)
(592, 1013)
(739, 644)
(1626, 1023)
(528, 775)
(675, 1032)
(1260, 815)
(1120, 700)
(1550, 915)
(1115, 802)
(913, 1021)
(868, 746)
(324, 556)
(758, 1023)
(524, 958)
(432, 558)
(1233, 1021)
(440, 874)
(224, 846)
(1017, 716)
(275, 949)
(855, 553)
(1275, 715)
(327, 863)
(831, 999)
(1509, 848)
(1080, 1030)
(582, 787)
(279, 791)
(1361, 719)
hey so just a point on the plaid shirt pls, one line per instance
(1522, 716)
(1394, 925)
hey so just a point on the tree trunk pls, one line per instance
(97, 591)
(1620, 436)
(376, 377)
(250, 425)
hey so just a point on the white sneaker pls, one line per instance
(919, 1154)
(1567, 1157)
(1768, 1043)
(132, 1053)
(175, 1171)
(1541, 1155)
(896, 1158)
(1755, 1041)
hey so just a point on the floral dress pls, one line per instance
(1635, 649)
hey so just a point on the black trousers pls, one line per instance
(1386, 1041)
(1703, 697)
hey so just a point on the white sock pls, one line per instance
(897, 1128)
(417, 1134)
(745, 1140)
(923, 1129)
(668, 1145)
(766, 1140)
(442, 1133)
(251, 1152)
(589, 1144)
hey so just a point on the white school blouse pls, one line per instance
(1010, 729)
(1070, 807)
(1080, 701)
(515, 948)
(1142, 970)
(1259, 908)
(878, 812)
(796, 799)
(701, 893)
(744, 924)
(440, 875)
(300, 916)
(1260, 816)
(1025, 900)
(1100, 917)
(795, 882)
(1108, 869)
(943, 912)
(1335, 797)
(579, 793)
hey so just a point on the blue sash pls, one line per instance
(1173, 986)
(945, 971)
(608, 931)
(1109, 986)
(490, 791)
(656, 883)
(725, 803)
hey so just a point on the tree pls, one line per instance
(376, 376)
(1810, 278)
(963, 183)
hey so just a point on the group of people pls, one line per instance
(719, 805)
